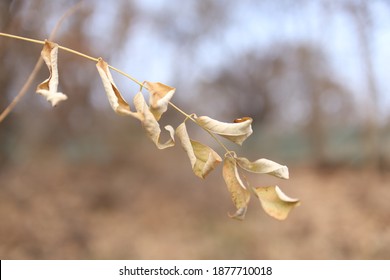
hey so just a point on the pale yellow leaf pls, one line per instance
(274, 202)
(151, 125)
(239, 193)
(160, 95)
(236, 132)
(117, 102)
(49, 87)
(264, 166)
(203, 159)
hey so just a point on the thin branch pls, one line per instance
(38, 64)
(23, 90)
(22, 38)
(67, 14)
(205, 129)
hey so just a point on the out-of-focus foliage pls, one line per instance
(203, 159)
(285, 64)
(220, 50)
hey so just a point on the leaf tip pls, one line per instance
(284, 197)
(274, 202)
(239, 214)
(56, 98)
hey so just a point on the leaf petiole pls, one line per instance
(120, 72)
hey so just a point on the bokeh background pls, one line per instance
(80, 182)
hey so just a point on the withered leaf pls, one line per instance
(117, 102)
(236, 132)
(264, 166)
(160, 95)
(274, 202)
(203, 159)
(49, 87)
(143, 113)
(239, 120)
(239, 193)
(151, 125)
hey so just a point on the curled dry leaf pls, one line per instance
(264, 166)
(160, 95)
(48, 88)
(151, 125)
(236, 132)
(143, 113)
(203, 159)
(117, 102)
(274, 202)
(239, 193)
(240, 120)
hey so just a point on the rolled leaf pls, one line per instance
(264, 166)
(274, 202)
(160, 95)
(117, 102)
(203, 159)
(236, 132)
(239, 193)
(49, 87)
(150, 124)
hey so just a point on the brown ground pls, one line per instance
(129, 208)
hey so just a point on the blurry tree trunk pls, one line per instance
(7, 127)
(362, 20)
(313, 90)
(316, 126)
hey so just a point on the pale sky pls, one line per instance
(148, 56)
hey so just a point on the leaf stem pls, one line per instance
(70, 51)
(205, 129)
(39, 62)
(122, 73)
(217, 140)
(22, 38)
(182, 112)
(78, 53)
(127, 75)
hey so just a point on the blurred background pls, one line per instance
(80, 182)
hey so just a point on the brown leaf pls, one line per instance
(274, 202)
(239, 193)
(143, 113)
(203, 159)
(151, 125)
(264, 166)
(240, 120)
(236, 132)
(49, 87)
(160, 95)
(117, 102)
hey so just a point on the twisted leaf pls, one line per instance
(264, 166)
(48, 88)
(203, 159)
(239, 193)
(150, 124)
(236, 132)
(117, 102)
(274, 202)
(160, 95)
